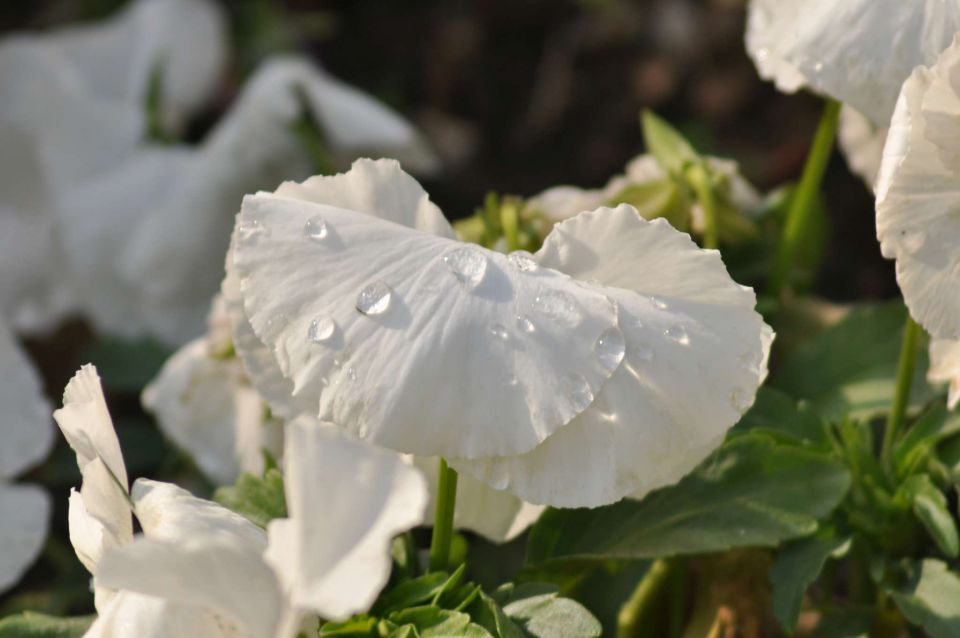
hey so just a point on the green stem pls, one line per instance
(510, 222)
(443, 520)
(700, 181)
(901, 395)
(801, 205)
(635, 614)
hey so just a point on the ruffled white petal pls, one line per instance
(24, 519)
(207, 407)
(918, 193)
(132, 615)
(862, 144)
(346, 501)
(858, 52)
(411, 313)
(945, 367)
(693, 354)
(26, 431)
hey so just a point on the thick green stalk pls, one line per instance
(901, 394)
(801, 206)
(443, 520)
(636, 613)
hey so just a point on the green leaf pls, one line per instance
(540, 613)
(914, 446)
(413, 592)
(851, 367)
(930, 507)
(780, 416)
(797, 565)
(259, 499)
(433, 622)
(488, 614)
(357, 627)
(406, 631)
(931, 599)
(657, 198)
(752, 492)
(33, 625)
(672, 151)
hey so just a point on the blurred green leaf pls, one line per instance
(418, 591)
(126, 365)
(930, 507)
(672, 151)
(780, 416)
(931, 599)
(259, 499)
(540, 613)
(920, 440)
(433, 622)
(657, 198)
(33, 625)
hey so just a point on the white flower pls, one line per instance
(27, 437)
(862, 144)
(918, 193)
(71, 108)
(171, 244)
(945, 367)
(201, 570)
(858, 52)
(620, 334)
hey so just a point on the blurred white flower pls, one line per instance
(27, 436)
(172, 242)
(918, 194)
(330, 557)
(862, 144)
(945, 367)
(585, 355)
(858, 52)
(71, 109)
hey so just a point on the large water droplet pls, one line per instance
(522, 261)
(610, 348)
(374, 299)
(557, 305)
(468, 265)
(499, 332)
(525, 325)
(642, 352)
(315, 228)
(912, 240)
(321, 329)
(579, 392)
(678, 333)
(740, 400)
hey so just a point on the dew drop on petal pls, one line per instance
(315, 228)
(321, 329)
(678, 333)
(525, 325)
(610, 348)
(499, 332)
(579, 392)
(740, 400)
(374, 299)
(251, 230)
(468, 265)
(557, 305)
(352, 373)
(522, 261)
(642, 352)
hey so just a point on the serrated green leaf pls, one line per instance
(33, 625)
(433, 622)
(752, 492)
(539, 612)
(930, 507)
(851, 367)
(411, 593)
(406, 631)
(779, 415)
(259, 499)
(797, 565)
(931, 599)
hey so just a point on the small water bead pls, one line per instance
(374, 299)
(522, 261)
(610, 348)
(321, 329)
(315, 228)
(578, 389)
(468, 265)
(251, 230)
(352, 373)
(678, 333)
(557, 305)
(499, 332)
(525, 325)
(642, 352)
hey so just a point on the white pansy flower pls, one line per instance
(161, 283)
(945, 367)
(918, 195)
(27, 436)
(603, 336)
(858, 52)
(862, 144)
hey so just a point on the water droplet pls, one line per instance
(321, 329)
(522, 261)
(740, 400)
(251, 229)
(642, 352)
(610, 348)
(468, 265)
(374, 299)
(557, 305)
(352, 373)
(510, 380)
(678, 333)
(525, 325)
(912, 240)
(499, 332)
(315, 228)
(579, 392)
(657, 302)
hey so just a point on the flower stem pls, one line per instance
(901, 394)
(510, 221)
(443, 520)
(801, 205)
(636, 613)
(701, 183)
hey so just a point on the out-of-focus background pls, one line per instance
(514, 97)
